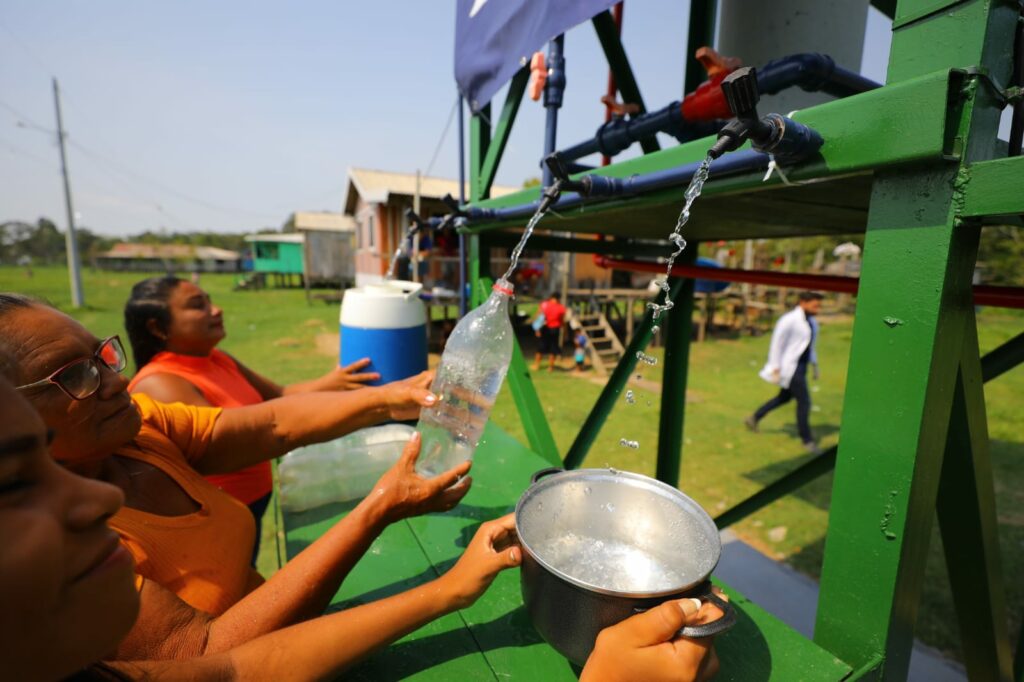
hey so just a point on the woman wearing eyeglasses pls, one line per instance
(174, 329)
(68, 597)
(191, 541)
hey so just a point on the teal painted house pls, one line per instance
(277, 253)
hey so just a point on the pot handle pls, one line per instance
(715, 627)
(545, 472)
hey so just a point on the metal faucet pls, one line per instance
(784, 138)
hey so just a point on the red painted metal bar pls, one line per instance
(984, 294)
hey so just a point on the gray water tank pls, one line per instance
(758, 32)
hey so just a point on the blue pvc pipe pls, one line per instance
(553, 91)
(463, 303)
(736, 162)
(810, 71)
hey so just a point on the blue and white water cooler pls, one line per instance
(387, 323)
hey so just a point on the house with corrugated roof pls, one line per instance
(316, 248)
(377, 201)
(128, 256)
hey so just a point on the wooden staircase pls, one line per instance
(603, 345)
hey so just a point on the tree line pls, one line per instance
(42, 243)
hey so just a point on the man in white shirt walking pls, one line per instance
(790, 352)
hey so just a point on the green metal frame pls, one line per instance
(913, 438)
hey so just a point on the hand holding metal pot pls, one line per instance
(644, 647)
(600, 546)
(492, 550)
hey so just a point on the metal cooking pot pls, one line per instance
(601, 545)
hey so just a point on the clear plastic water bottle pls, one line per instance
(473, 365)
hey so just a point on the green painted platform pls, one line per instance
(493, 639)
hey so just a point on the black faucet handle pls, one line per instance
(452, 204)
(414, 218)
(557, 167)
(741, 93)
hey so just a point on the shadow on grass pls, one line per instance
(817, 492)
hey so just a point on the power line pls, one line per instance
(124, 170)
(440, 142)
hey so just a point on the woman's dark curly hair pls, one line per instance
(148, 301)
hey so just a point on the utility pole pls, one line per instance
(74, 272)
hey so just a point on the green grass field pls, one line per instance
(276, 332)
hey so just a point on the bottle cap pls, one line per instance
(507, 290)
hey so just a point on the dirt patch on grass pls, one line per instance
(287, 342)
(326, 344)
(313, 322)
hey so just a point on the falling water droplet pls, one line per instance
(655, 329)
(631, 444)
(587, 490)
(610, 507)
(630, 398)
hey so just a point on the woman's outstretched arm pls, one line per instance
(324, 647)
(169, 628)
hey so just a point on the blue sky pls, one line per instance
(228, 116)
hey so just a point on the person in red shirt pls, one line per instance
(554, 317)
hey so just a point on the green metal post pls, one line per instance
(701, 32)
(907, 345)
(502, 130)
(613, 387)
(678, 330)
(794, 480)
(479, 144)
(970, 532)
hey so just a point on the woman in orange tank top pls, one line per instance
(174, 329)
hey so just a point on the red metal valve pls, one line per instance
(538, 75)
(707, 102)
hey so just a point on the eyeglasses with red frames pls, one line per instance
(81, 378)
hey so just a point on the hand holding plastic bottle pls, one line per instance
(404, 493)
(405, 398)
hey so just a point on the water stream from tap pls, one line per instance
(403, 247)
(692, 192)
(513, 259)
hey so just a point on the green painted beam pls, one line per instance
(907, 345)
(605, 402)
(1004, 358)
(479, 143)
(994, 188)
(886, 7)
(618, 63)
(502, 130)
(907, 337)
(701, 31)
(524, 393)
(964, 30)
(970, 532)
(809, 471)
(678, 329)
(910, 117)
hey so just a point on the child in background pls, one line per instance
(580, 340)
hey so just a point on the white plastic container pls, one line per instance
(387, 323)
(340, 470)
